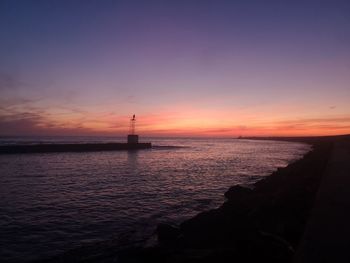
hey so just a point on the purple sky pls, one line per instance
(218, 68)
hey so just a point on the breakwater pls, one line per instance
(72, 147)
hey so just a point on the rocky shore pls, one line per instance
(262, 224)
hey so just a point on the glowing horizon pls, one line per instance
(185, 69)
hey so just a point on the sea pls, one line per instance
(54, 202)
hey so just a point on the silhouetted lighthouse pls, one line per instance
(132, 137)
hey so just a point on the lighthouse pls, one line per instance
(132, 137)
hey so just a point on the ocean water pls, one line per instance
(50, 203)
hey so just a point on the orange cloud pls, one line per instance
(28, 118)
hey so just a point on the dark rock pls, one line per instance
(167, 233)
(216, 228)
(237, 193)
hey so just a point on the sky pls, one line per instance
(185, 68)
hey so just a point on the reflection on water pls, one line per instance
(132, 160)
(53, 202)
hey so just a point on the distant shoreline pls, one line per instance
(303, 139)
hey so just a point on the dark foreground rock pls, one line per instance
(262, 224)
(167, 234)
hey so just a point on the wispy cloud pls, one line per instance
(9, 82)
(20, 115)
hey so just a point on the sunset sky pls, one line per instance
(185, 68)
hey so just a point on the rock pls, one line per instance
(167, 233)
(237, 193)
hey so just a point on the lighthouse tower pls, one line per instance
(132, 137)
